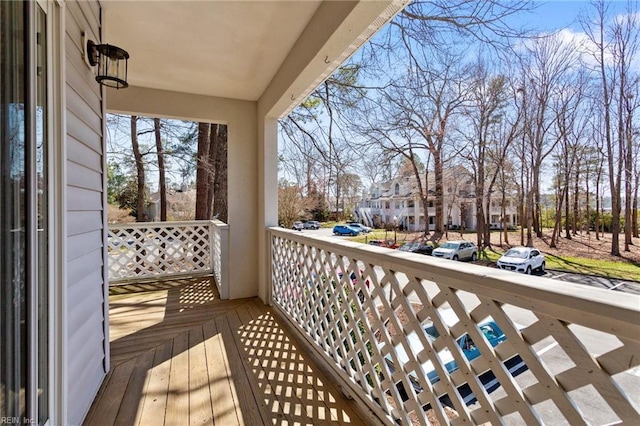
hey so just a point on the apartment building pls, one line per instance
(398, 202)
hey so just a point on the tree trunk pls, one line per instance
(634, 217)
(486, 219)
(220, 196)
(140, 213)
(529, 218)
(162, 182)
(479, 184)
(613, 186)
(521, 212)
(437, 165)
(503, 211)
(597, 215)
(588, 199)
(211, 167)
(557, 226)
(628, 177)
(567, 224)
(576, 199)
(202, 172)
(537, 214)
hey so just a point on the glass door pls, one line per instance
(41, 296)
(24, 218)
(13, 174)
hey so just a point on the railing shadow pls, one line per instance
(291, 388)
(205, 359)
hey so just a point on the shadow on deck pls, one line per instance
(180, 355)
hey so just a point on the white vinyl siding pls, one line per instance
(85, 215)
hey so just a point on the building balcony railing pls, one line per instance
(408, 335)
(154, 250)
(413, 338)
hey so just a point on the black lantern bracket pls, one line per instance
(111, 62)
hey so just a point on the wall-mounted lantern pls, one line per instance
(111, 62)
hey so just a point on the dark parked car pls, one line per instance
(407, 247)
(417, 247)
(345, 230)
(424, 248)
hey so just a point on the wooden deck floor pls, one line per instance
(180, 356)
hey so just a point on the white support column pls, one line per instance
(243, 159)
(268, 199)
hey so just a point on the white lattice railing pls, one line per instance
(156, 250)
(365, 310)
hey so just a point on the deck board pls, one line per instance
(200, 410)
(180, 355)
(178, 394)
(221, 390)
(250, 411)
(157, 387)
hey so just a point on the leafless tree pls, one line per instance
(441, 23)
(636, 173)
(412, 116)
(162, 180)
(597, 135)
(615, 44)
(626, 46)
(291, 203)
(203, 172)
(571, 118)
(544, 67)
(489, 134)
(318, 152)
(218, 161)
(140, 205)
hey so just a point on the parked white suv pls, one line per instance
(457, 250)
(522, 259)
(312, 224)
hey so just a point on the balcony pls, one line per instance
(355, 316)
(181, 355)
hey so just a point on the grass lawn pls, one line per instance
(378, 234)
(581, 265)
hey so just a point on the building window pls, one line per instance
(396, 189)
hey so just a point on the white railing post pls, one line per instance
(212, 246)
(220, 256)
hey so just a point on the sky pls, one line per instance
(554, 15)
(558, 14)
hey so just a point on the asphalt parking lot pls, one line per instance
(612, 284)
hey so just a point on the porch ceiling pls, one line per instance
(229, 49)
